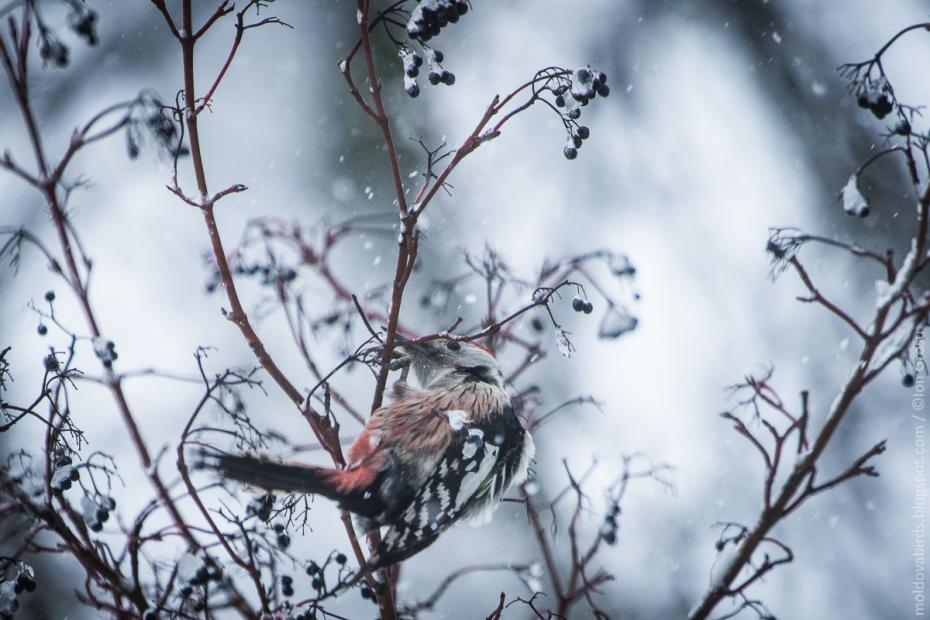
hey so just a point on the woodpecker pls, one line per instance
(437, 454)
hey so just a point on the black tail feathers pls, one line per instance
(273, 476)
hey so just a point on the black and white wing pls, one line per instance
(479, 465)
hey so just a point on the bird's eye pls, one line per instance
(453, 345)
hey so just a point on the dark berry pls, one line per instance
(50, 296)
(907, 380)
(367, 594)
(576, 140)
(412, 89)
(185, 591)
(287, 591)
(54, 52)
(461, 6)
(42, 329)
(602, 77)
(412, 71)
(578, 304)
(882, 107)
(583, 132)
(417, 60)
(902, 128)
(287, 580)
(434, 77)
(536, 324)
(25, 579)
(583, 75)
(341, 558)
(862, 101)
(439, 56)
(51, 363)
(284, 541)
(570, 152)
(604, 90)
(200, 577)
(448, 78)
(610, 537)
(317, 584)
(575, 114)
(83, 24)
(588, 307)
(560, 101)
(278, 528)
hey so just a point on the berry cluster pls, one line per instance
(150, 117)
(421, 24)
(874, 92)
(96, 510)
(42, 329)
(53, 52)
(412, 63)
(269, 275)
(51, 362)
(64, 476)
(260, 507)
(105, 351)
(580, 304)
(197, 572)
(608, 530)
(283, 538)
(317, 573)
(287, 585)
(431, 16)
(82, 21)
(23, 581)
(571, 94)
(876, 96)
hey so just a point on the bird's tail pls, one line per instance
(272, 476)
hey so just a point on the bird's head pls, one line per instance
(445, 358)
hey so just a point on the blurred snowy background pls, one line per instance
(725, 118)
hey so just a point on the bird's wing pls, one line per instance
(475, 469)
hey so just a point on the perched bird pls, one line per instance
(437, 454)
